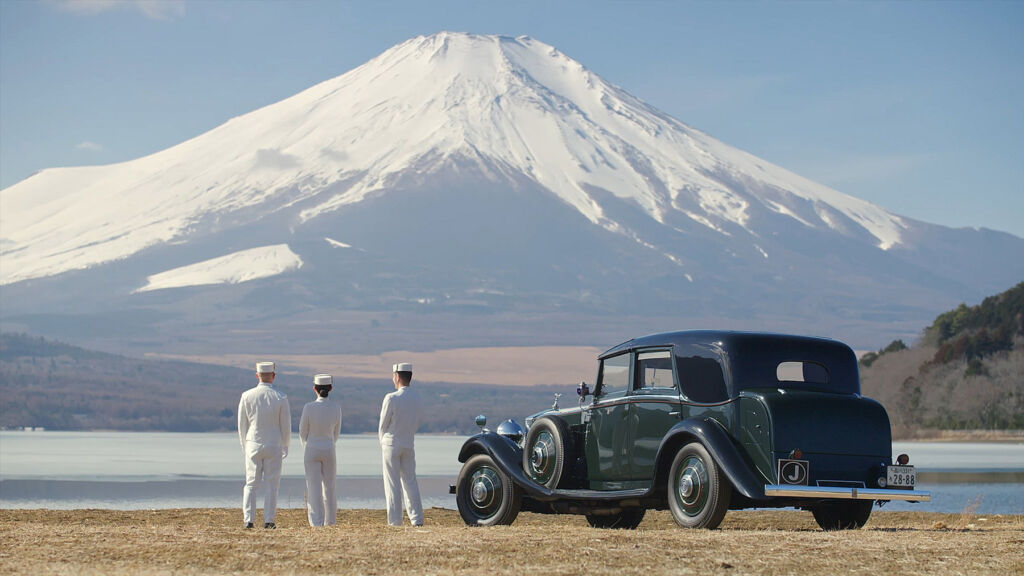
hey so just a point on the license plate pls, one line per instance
(900, 476)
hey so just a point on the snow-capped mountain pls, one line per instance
(491, 171)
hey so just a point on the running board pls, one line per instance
(846, 493)
(601, 494)
(585, 494)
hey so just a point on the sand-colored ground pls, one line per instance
(507, 366)
(212, 541)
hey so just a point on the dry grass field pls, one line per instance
(212, 541)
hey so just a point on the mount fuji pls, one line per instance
(471, 189)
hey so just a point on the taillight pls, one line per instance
(902, 459)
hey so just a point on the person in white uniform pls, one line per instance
(399, 420)
(264, 429)
(319, 427)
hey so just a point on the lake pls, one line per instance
(139, 470)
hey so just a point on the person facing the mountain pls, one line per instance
(319, 427)
(264, 429)
(399, 420)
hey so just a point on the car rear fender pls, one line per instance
(507, 456)
(716, 440)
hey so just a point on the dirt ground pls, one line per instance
(212, 541)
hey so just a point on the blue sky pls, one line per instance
(918, 107)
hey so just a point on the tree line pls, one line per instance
(58, 386)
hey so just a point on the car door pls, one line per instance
(654, 408)
(606, 437)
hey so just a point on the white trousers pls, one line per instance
(321, 465)
(262, 470)
(399, 480)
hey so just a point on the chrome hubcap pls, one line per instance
(686, 487)
(480, 492)
(538, 457)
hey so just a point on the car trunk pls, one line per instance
(843, 437)
(824, 423)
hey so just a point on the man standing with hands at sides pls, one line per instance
(318, 429)
(399, 420)
(264, 429)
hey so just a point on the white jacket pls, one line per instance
(321, 420)
(400, 418)
(264, 417)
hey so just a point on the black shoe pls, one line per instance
(249, 526)
(270, 526)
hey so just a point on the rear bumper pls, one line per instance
(846, 493)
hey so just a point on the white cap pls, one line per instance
(323, 380)
(264, 367)
(402, 367)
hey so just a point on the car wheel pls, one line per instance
(848, 515)
(545, 450)
(485, 495)
(628, 519)
(698, 492)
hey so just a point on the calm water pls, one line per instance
(128, 470)
(138, 470)
(118, 456)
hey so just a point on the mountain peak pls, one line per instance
(507, 108)
(472, 184)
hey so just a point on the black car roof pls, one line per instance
(726, 339)
(754, 356)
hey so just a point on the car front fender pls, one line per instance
(507, 456)
(716, 440)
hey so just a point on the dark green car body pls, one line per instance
(780, 419)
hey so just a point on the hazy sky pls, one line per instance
(918, 107)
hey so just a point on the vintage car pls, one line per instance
(698, 422)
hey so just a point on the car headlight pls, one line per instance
(511, 430)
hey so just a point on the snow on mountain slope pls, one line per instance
(337, 243)
(234, 268)
(512, 107)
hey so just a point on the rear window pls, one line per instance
(802, 372)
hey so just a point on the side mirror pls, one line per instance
(583, 391)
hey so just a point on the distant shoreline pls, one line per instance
(925, 435)
(980, 436)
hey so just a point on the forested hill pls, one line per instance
(974, 332)
(966, 373)
(61, 387)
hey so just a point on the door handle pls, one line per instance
(676, 413)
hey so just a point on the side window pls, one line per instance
(614, 376)
(702, 379)
(654, 370)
